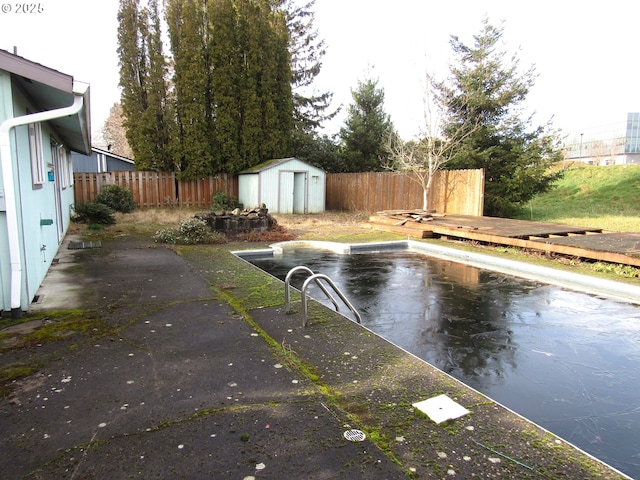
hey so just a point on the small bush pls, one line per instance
(117, 198)
(94, 213)
(222, 201)
(189, 232)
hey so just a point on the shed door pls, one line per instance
(292, 192)
(285, 192)
(300, 192)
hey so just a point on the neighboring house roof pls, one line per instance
(49, 89)
(273, 163)
(101, 161)
(113, 155)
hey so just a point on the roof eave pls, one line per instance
(49, 89)
(36, 72)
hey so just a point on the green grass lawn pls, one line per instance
(599, 197)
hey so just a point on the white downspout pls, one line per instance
(10, 193)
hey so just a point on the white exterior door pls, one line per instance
(285, 192)
(300, 192)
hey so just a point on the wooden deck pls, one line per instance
(583, 242)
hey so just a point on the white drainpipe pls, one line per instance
(10, 193)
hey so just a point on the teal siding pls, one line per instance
(39, 240)
(6, 112)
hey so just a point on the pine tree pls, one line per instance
(307, 51)
(366, 129)
(310, 107)
(490, 89)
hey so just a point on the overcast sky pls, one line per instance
(585, 54)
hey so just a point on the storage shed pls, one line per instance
(285, 185)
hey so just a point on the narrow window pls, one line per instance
(68, 167)
(37, 159)
(64, 166)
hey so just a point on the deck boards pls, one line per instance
(621, 242)
(584, 242)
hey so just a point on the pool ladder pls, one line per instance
(316, 278)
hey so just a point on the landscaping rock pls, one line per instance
(255, 219)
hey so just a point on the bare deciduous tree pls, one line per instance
(421, 159)
(114, 133)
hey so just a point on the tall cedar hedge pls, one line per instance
(222, 100)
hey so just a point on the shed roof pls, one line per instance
(49, 89)
(273, 163)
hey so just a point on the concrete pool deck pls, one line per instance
(187, 381)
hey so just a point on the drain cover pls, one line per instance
(355, 435)
(83, 245)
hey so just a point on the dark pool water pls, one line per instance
(568, 361)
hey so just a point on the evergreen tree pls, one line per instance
(321, 151)
(227, 57)
(232, 82)
(307, 50)
(366, 129)
(489, 89)
(132, 53)
(189, 28)
(310, 107)
(229, 104)
(281, 93)
(142, 78)
(265, 104)
(157, 118)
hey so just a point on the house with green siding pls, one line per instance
(44, 116)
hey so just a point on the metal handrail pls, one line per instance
(314, 278)
(287, 286)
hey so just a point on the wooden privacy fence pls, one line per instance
(156, 189)
(457, 192)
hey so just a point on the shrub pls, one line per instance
(222, 201)
(117, 198)
(189, 232)
(94, 213)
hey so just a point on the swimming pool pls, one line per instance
(565, 359)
